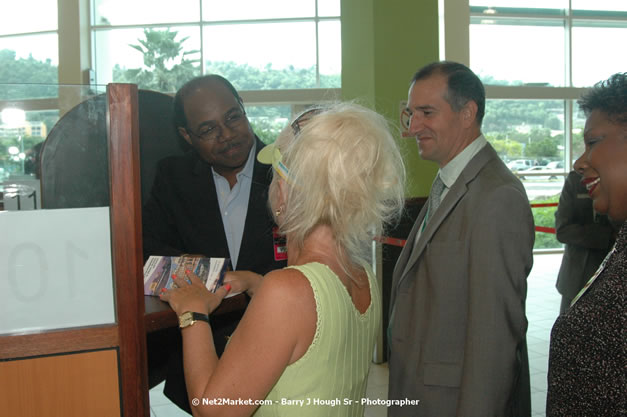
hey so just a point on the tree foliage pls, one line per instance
(516, 128)
(267, 129)
(487, 79)
(501, 115)
(167, 65)
(543, 148)
(33, 75)
(545, 216)
(508, 149)
(246, 77)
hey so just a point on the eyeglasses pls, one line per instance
(304, 117)
(405, 119)
(212, 131)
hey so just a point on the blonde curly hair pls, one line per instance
(345, 171)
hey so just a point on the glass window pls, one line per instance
(328, 8)
(124, 12)
(536, 4)
(268, 121)
(160, 59)
(271, 45)
(543, 209)
(34, 176)
(218, 10)
(28, 16)
(251, 62)
(21, 136)
(42, 48)
(525, 44)
(30, 59)
(613, 5)
(579, 122)
(29, 45)
(330, 54)
(529, 136)
(507, 52)
(597, 52)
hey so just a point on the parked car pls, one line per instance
(520, 164)
(555, 165)
(538, 173)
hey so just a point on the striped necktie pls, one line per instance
(435, 196)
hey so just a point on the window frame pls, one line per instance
(76, 55)
(201, 24)
(456, 16)
(455, 46)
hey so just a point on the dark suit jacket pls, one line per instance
(588, 238)
(458, 329)
(182, 215)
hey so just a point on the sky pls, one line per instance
(509, 52)
(535, 54)
(617, 5)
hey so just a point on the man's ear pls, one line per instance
(183, 132)
(469, 113)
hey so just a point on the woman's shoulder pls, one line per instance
(286, 282)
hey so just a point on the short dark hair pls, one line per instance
(463, 85)
(179, 99)
(609, 97)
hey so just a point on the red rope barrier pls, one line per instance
(544, 205)
(545, 229)
(390, 241)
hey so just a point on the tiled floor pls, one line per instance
(542, 308)
(543, 304)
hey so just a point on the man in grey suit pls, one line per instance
(457, 310)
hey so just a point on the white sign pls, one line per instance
(55, 269)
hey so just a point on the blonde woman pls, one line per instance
(304, 345)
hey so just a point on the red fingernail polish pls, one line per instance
(187, 271)
(163, 289)
(174, 276)
(228, 287)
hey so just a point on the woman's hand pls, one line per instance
(243, 281)
(192, 295)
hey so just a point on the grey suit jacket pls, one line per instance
(458, 324)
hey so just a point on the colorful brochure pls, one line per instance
(158, 271)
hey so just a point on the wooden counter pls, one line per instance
(159, 315)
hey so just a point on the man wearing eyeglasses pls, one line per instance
(213, 200)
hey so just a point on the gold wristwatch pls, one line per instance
(188, 318)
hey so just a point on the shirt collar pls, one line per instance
(451, 171)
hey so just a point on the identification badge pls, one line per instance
(594, 277)
(280, 245)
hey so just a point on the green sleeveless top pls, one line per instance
(330, 378)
